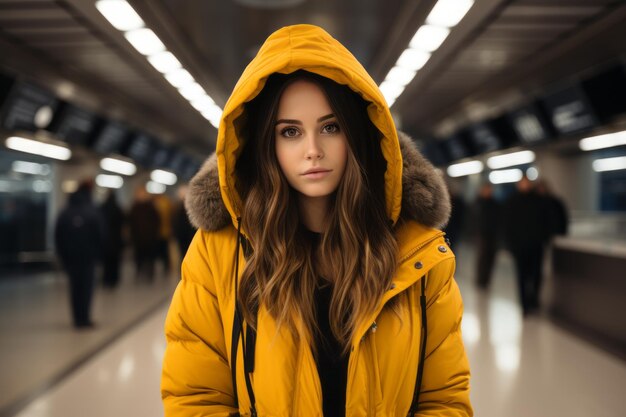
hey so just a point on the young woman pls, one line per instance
(319, 283)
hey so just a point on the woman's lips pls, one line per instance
(316, 173)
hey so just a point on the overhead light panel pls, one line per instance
(179, 78)
(120, 14)
(203, 103)
(145, 41)
(505, 176)
(511, 159)
(192, 91)
(400, 76)
(118, 166)
(109, 181)
(448, 13)
(36, 147)
(164, 62)
(609, 164)
(391, 91)
(465, 168)
(609, 140)
(532, 173)
(155, 187)
(413, 59)
(163, 177)
(32, 168)
(213, 115)
(428, 38)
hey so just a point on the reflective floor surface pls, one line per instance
(520, 367)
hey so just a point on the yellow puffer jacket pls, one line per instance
(384, 358)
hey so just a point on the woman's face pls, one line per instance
(311, 148)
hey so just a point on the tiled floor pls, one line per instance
(526, 368)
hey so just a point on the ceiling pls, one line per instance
(501, 53)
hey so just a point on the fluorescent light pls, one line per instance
(505, 176)
(145, 41)
(192, 91)
(391, 91)
(413, 59)
(163, 177)
(511, 159)
(109, 181)
(603, 141)
(118, 166)
(532, 173)
(179, 78)
(400, 76)
(428, 38)
(465, 168)
(609, 164)
(448, 13)
(120, 14)
(213, 115)
(155, 187)
(203, 103)
(164, 62)
(38, 148)
(32, 168)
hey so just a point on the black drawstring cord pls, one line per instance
(237, 330)
(420, 368)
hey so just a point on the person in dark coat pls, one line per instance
(555, 210)
(144, 223)
(183, 230)
(526, 237)
(488, 224)
(114, 219)
(79, 235)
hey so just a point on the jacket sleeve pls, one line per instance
(445, 386)
(196, 379)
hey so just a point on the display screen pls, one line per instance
(141, 149)
(111, 138)
(28, 107)
(74, 125)
(484, 139)
(607, 92)
(162, 155)
(530, 124)
(569, 110)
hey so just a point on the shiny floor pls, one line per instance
(520, 367)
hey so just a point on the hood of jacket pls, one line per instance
(413, 189)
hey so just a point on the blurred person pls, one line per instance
(183, 230)
(163, 204)
(555, 209)
(144, 223)
(114, 219)
(525, 233)
(488, 231)
(319, 247)
(454, 229)
(79, 237)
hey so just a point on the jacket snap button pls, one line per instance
(442, 249)
(392, 286)
(418, 265)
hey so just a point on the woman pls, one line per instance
(320, 223)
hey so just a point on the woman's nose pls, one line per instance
(314, 150)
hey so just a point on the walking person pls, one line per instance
(144, 224)
(488, 225)
(79, 236)
(114, 219)
(526, 234)
(320, 283)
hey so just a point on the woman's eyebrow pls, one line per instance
(298, 122)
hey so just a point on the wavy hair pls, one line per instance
(357, 249)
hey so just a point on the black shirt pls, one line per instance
(332, 366)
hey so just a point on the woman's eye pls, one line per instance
(331, 128)
(289, 132)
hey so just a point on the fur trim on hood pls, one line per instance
(425, 197)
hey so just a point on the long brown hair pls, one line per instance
(357, 250)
